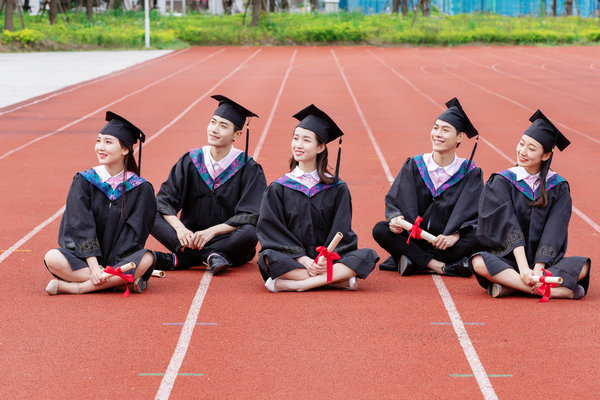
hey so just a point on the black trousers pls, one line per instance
(419, 251)
(238, 247)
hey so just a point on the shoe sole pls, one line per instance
(405, 268)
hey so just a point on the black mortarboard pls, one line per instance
(456, 116)
(322, 125)
(546, 133)
(237, 114)
(124, 130)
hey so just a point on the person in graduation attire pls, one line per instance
(524, 214)
(108, 216)
(442, 189)
(303, 210)
(218, 189)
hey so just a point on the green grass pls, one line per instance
(117, 29)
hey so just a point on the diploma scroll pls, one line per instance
(329, 255)
(547, 279)
(158, 273)
(124, 268)
(408, 226)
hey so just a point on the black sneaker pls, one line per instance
(405, 266)
(458, 268)
(217, 263)
(389, 265)
(164, 261)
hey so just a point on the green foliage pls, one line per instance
(125, 29)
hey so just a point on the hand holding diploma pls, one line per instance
(415, 231)
(109, 272)
(327, 254)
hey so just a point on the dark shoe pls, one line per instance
(405, 266)
(139, 285)
(458, 268)
(164, 261)
(389, 265)
(578, 292)
(217, 263)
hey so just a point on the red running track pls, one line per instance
(190, 336)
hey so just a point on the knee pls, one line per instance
(479, 265)
(54, 260)
(247, 234)
(380, 229)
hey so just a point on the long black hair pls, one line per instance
(542, 200)
(129, 164)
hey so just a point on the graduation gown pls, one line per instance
(109, 224)
(232, 198)
(295, 220)
(450, 208)
(507, 220)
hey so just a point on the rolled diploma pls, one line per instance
(424, 234)
(158, 273)
(124, 268)
(548, 279)
(334, 242)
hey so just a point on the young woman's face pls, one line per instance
(221, 132)
(109, 150)
(444, 137)
(305, 146)
(530, 154)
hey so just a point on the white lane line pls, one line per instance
(485, 386)
(274, 108)
(104, 107)
(92, 81)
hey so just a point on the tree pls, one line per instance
(425, 7)
(89, 9)
(8, 15)
(554, 8)
(397, 4)
(569, 7)
(53, 11)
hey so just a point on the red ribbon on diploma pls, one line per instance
(545, 288)
(120, 274)
(415, 231)
(329, 256)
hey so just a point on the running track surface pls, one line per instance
(193, 337)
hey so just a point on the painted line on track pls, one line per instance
(578, 212)
(104, 107)
(197, 323)
(484, 383)
(490, 375)
(92, 81)
(162, 374)
(450, 323)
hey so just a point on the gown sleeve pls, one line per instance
(172, 193)
(342, 222)
(554, 236)
(498, 228)
(271, 228)
(77, 230)
(402, 198)
(138, 224)
(464, 214)
(248, 206)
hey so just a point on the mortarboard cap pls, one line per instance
(546, 133)
(456, 116)
(317, 121)
(124, 130)
(232, 111)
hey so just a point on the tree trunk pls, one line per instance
(569, 7)
(255, 12)
(53, 11)
(314, 5)
(89, 9)
(395, 6)
(8, 15)
(404, 7)
(425, 7)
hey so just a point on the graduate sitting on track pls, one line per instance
(443, 190)
(524, 214)
(305, 209)
(218, 190)
(109, 213)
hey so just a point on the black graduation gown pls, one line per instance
(232, 198)
(102, 222)
(507, 220)
(450, 208)
(295, 220)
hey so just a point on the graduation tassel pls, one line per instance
(337, 164)
(472, 154)
(247, 141)
(139, 171)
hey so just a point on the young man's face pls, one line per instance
(221, 132)
(444, 137)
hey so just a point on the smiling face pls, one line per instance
(444, 137)
(530, 154)
(305, 146)
(221, 132)
(109, 151)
